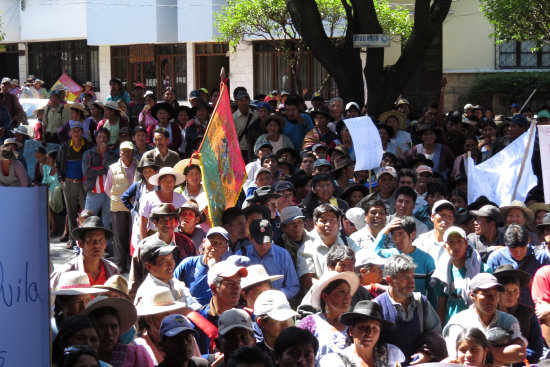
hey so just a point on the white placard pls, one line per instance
(496, 177)
(366, 142)
(544, 145)
(24, 297)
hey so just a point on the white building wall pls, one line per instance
(53, 20)
(241, 67)
(196, 20)
(11, 20)
(104, 72)
(190, 70)
(23, 63)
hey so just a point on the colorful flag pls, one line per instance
(223, 168)
(72, 87)
(497, 177)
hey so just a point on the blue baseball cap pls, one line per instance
(73, 124)
(321, 162)
(265, 105)
(218, 230)
(520, 120)
(174, 324)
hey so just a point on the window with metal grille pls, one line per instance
(518, 55)
(272, 71)
(48, 60)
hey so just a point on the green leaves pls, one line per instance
(519, 20)
(514, 84)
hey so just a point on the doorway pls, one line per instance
(209, 59)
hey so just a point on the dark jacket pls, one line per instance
(95, 165)
(61, 160)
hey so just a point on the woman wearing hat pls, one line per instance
(354, 193)
(441, 155)
(513, 280)
(164, 113)
(114, 317)
(146, 119)
(78, 112)
(132, 197)
(398, 122)
(12, 171)
(540, 210)
(333, 297)
(364, 325)
(518, 213)
(165, 181)
(113, 121)
(193, 189)
(274, 125)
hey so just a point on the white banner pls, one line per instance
(544, 144)
(24, 297)
(496, 177)
(366, 142)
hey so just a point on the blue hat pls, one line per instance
(514, 105)
(242, 94)
(218, 230)
(73, 124)
(284, 186)
(319, 145)
(174, 324)
(290, 213)
(520, 120)
(321, 162)
(194, 94)
(262, 145)
(265, 105)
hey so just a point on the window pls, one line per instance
(518, 55)
(48, 60)
(271, 71)
(157, 66)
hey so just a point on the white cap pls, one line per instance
(126, 145)
(234, 318)
(352, 104)
(274, 304)
(357, 217)
(367, 256)
(442, 204)
(453, 230)
(225, 269)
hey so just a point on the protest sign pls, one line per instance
(24, 298)
(366, 143)
(544, 144)
(506, 176)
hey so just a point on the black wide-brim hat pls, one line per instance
(365, 310)
(91, 224)
(163, 106)
(507, 271)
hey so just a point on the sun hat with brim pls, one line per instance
(273, 117)
(116, 283)
(125, 309)
(507, 271)
(12, 141)
(183, 164)
(38, 109)
(354, 187)
(21, 129)
(112, 105)
(274, 304)
(517, 204)
(545, 221)
(256, 275)
(147, 163)
(536, 207)
(74, 283)
(401, 119)
(164, 171)
(350, 277)
(292, 151)
(369, 310)
(428, 127)
(99, 105)
(158, 300)
(323, 111)
(164, 210)
(76, 106)
(91, 224)
(162, 106)
(388, 128)
(342, 162)
(485, 281)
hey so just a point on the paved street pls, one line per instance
(58, 253)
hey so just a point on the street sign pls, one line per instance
(371, 40)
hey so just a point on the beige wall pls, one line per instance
(467, 44)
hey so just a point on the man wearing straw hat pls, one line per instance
(92, 239)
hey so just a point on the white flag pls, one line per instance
(496, 177)
(366, 142)
(544, 145)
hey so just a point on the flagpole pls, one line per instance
(222, 89)
(528, 99)
(531, 134)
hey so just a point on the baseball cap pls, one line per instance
(5, 80)
(365, 256)
(218, 230)
(234, 318)
(357, 217)
(265, 105)
(74, 123)
(174, 324)
(319, 145)
(520, 120)
(225, 269)
(387, 169)
(273, 303)
(442, 204)
(453, 230)
(352, 104)
(290, 213)
(261, 231)
(194, 94)
(140, 85)
(155, 247)
(424, 168)
(126, 145)
(284, 186)
(485, 281)
(489, 211)
(321, 162)
(543, 114)
(316, 95)
(242, 94)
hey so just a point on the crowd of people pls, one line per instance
(316, 265)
